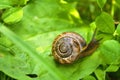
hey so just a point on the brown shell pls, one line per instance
(67, 47)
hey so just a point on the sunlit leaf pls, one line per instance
(105, 23)
(12, 15)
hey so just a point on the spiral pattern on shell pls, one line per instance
(67, 47)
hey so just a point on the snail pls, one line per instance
(70, 46)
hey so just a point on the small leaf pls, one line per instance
(112, 68)
(12, 15)
(100, 74)
(101, 3)
(105, 23)
(110, 51)
(118, 29)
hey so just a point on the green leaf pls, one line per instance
(42, 21)
(101, 3)
(118, 29)
(100, 74)
(31, 52)
(14, 70)
(112, 68)
(76, 71)
(39, 27)
(105, 23)
(12, 15)
(85, 69)
(4, 4)
(110, 51)
(117, 33)
(11, 64)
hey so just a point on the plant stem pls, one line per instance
(113, 8)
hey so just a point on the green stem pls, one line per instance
(113, 8)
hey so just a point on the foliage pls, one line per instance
(28, 28)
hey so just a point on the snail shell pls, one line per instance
(67, 47)
(70, 46)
